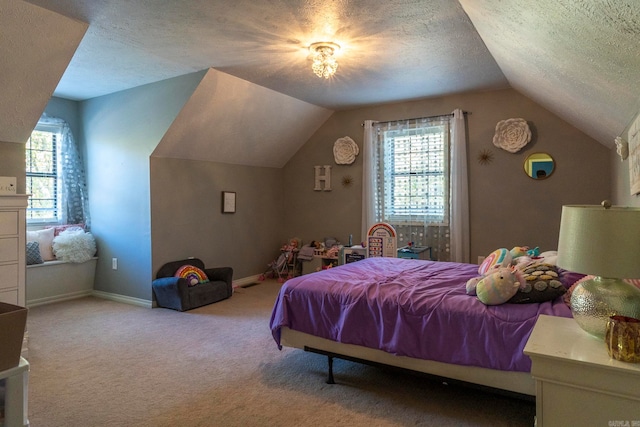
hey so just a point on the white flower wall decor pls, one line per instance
(345, 151)
(512, 134)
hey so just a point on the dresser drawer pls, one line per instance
(8, 276)
(8, 223)
(10, 297)
(9, 249)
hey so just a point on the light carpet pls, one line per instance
(96, 362)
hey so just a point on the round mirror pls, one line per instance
(539, 165)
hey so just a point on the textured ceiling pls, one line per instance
(42, 36)
(391, 50)
(579, 59)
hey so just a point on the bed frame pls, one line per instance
(519, 383)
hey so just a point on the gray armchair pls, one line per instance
(175, 292)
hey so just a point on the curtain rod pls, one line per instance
(466, 113)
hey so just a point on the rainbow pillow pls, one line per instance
(499, 258)
(192, 274)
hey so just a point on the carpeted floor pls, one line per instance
(101, 363)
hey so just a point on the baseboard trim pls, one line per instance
(245, 281)
(122, 298)
(58, 298)
(240, 283)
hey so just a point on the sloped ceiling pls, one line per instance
(36, 45)
(577, 59)
(230, 120)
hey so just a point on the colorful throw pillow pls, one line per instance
(543, 283)
(44, 238)
(192, 274)
(496, 259)
(33, 253)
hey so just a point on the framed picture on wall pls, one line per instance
(228, 202)
(634, 157)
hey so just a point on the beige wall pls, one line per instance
(186, 218)
(507, 208)
(620, 183)
(12, 163)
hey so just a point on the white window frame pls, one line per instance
(56, 210)
(409, 156)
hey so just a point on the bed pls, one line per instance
(411, 314)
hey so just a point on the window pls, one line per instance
(55, 175)
(415, 172)
(42, 173)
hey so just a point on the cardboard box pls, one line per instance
(13, 320)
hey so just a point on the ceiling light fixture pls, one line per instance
(324, 62)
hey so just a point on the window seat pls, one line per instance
(55, 281)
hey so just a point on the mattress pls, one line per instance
(411, 308)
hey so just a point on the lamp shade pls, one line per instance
(600, 241)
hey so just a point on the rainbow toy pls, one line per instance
(192, 274)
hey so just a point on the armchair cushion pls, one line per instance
(176, 292)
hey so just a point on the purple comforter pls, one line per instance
(410, 308)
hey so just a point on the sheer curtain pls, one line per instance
(369, 178)
(459, 224)
(450, 241)
(75, 198)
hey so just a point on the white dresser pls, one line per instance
(13, 249)
(577, 383)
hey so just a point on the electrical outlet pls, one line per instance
(114, 263)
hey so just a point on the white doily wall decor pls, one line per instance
(622, 148)
(345, 151)
(512, 134)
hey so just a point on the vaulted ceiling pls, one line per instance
(579, 60)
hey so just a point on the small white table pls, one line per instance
(16, 395)
(577, 383)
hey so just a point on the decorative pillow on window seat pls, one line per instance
(57, 229)
(192, 274)
(33, 253)
(74, 246)
(44, 238)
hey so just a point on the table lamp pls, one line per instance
(603, 241)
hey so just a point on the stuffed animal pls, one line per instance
(496, 259)
(518, 251)
(533, 253)
(497, 286)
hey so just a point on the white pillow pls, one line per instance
(74, 246)
(44, 238)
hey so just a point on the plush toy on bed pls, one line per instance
(497, 286)
(538, 277)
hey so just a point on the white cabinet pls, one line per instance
(13, 249)
(577, 383)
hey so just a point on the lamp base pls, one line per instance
(594, 301)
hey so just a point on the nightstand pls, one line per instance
(16, 395)
(577, 383)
